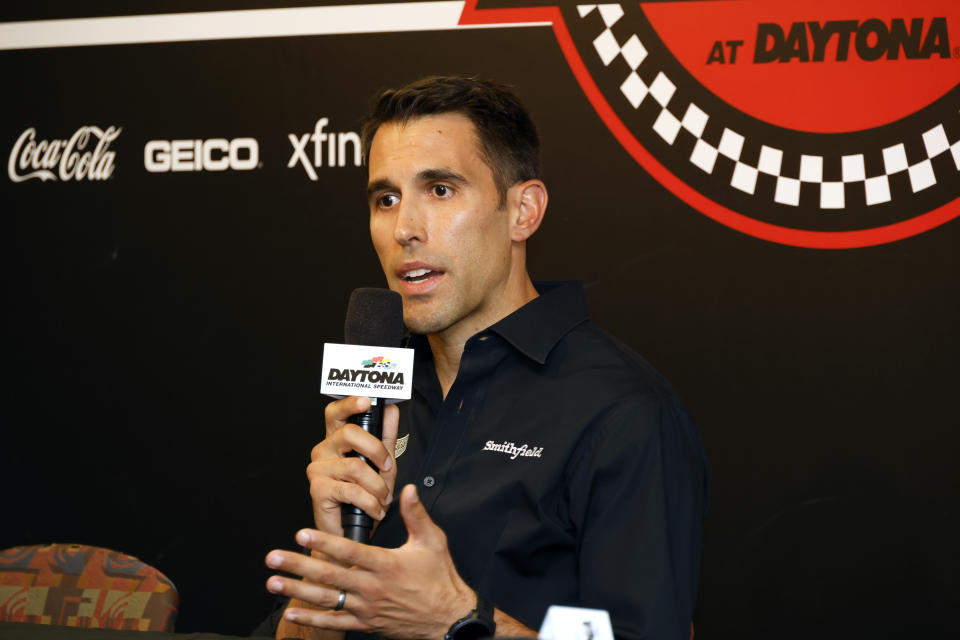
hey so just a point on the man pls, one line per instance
(541, 462)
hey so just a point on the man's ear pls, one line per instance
(531, 203)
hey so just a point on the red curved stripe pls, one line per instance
(703, 204)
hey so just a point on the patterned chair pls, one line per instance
(78, 585)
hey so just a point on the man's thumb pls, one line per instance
(420, 528)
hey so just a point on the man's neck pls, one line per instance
(446, 359)
(447, 346)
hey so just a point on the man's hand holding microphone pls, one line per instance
(413, 591)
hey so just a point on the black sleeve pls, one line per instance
(638, 494)
(268, 627)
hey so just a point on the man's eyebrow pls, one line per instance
(442, 175)
(379, 185)
(426, 175)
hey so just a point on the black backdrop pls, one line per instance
(162, 333)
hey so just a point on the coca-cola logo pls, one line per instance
(86, 155)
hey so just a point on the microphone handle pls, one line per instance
(357, 525)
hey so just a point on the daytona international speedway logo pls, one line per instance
(823, 124)
(378, 362)
(348, 369)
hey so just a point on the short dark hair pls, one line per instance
(508, 138)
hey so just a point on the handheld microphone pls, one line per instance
(374, 319)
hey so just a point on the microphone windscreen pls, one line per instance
(374, 317)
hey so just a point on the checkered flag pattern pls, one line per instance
(833, 192)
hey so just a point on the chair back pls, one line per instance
(79, 585)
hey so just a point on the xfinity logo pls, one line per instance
(215, 154)
(326, 146)
(85, 155)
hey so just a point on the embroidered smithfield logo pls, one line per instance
(512, 450)
(822, 124)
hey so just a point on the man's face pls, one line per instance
(443, 241)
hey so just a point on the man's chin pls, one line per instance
(424, 323)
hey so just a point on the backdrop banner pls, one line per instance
(760, 197)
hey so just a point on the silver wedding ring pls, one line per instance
(341, 600)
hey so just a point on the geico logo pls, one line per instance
(215, 154)
(336, 148)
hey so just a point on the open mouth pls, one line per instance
(419, 275)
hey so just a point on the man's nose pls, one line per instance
(409, 227)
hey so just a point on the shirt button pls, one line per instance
(429, 481)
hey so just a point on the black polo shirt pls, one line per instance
(563, 468)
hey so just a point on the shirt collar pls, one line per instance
(535, 328)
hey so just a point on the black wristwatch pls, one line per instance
(476, 624)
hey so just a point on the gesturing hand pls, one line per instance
(410, 592)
